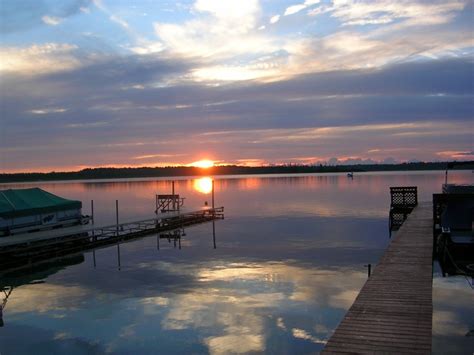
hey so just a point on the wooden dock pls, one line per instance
(39, 245)
(393, 312)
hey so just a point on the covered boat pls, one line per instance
(454, 221)
(29, 210)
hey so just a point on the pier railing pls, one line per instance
(403, 199)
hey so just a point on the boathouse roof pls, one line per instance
(25, 202)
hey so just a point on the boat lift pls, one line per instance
(169, 203)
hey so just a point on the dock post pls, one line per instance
(214, 233)
(117, 232)
(369, 269)
(93, 232)
(92, 211)
(93, 222)
(116, 218)
(172, 193)
(118, 255)
(213, 210)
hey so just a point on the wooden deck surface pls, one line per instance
(393, 312)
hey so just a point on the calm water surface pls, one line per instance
(288, 262)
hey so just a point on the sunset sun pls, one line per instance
(204, 164)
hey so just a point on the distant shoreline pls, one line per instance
(127, 173)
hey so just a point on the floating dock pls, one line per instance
(36, 246)
(393, 311)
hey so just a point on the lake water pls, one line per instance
(276, 276)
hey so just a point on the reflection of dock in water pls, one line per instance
(9, 280)
(176, 235)
(34, 246)
(33, 271)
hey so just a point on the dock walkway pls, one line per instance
(393, 311)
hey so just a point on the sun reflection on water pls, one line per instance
(203, 185)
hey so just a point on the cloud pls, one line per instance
(119, 21)
(39, 59)
(274, 19)
(152, 156)
(147, 48)
(45, 111)
(230, 52)
(51, 20)
(221, 30)
(291, 10)
(343, 113)
(387, 11)
(456, 154)
(87, 124)
(294, 9)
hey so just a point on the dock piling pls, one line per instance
(369, 269)
(213, 206)
(214, 233)
(172, 193)
(92, 212)
(117, 217)
(118, 256)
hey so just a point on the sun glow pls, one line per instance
(204, 164)
(203, 185)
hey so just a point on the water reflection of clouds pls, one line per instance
(235, 299)
(453, 315)
(25, 339)
(325, 209)
(229, 304)
(47, 298)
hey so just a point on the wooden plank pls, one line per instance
(393, 311)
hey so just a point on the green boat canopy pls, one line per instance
(25, 202)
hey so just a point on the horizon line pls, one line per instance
(270, 165)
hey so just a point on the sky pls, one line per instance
(154, 83)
